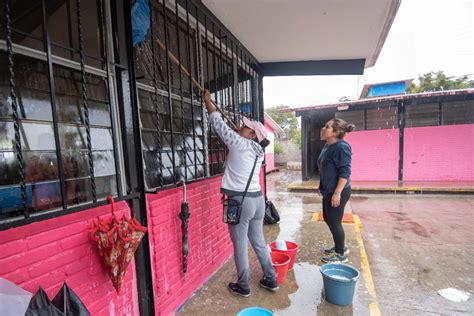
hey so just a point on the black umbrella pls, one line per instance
(184, 216)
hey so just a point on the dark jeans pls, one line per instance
(333, 217)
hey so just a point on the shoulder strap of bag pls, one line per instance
(250, 179)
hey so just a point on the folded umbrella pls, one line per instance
(117, 240)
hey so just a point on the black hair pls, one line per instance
(264, 143)
(342, 127)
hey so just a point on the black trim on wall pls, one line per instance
(401, 142)
(130, 126)
(314, 67)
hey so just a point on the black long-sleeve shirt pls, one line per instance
(334, 162)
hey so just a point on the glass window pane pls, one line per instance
(99, 114)
(7, 133)
(38, 136)
(10, 200)
(40, 166)
(28, 22)
(8, 168)
(76, 164)
(32, 88)
(101, 139)
(72, 137)
(104, 163)
(150, 141)
(62, 29)
(46, 195)
(106, 186)
(78, 191)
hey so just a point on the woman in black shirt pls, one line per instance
(334, 165)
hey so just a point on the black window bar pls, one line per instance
(85, 100)
(14, 104)
(185, 142)
(168, 73)
(157, 137)
(61, 83)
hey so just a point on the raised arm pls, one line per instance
(230, 137)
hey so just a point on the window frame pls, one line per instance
(22, 216)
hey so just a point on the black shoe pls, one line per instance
(334, 258)
(333, 249)
(238, 290)
(269, 285)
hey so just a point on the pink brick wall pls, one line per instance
(439, 153)
(374, 155)
(270, 161)
(209, 242)
(46, 253)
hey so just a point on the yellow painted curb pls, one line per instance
(365, 267)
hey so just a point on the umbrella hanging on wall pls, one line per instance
(117, 240)
(184, 216)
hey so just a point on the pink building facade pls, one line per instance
(420, 137)
(272, 129)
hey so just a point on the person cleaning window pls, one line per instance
(246, 153)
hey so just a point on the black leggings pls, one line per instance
(333, 217)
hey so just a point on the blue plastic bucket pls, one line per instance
(255, 311)
(339, 282)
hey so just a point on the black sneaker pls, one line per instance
(334, 258)
(269, 285)
(238, 290)
(333, 249)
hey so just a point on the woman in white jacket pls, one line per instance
(244, 146)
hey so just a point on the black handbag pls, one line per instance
(233, 208)
(271, 214)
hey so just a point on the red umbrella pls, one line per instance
(117, 240)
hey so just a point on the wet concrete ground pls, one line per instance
(412, 245)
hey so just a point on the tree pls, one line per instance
(438, 81)
(287, 121)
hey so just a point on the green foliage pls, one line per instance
(277, 149)
(298, 138)
(438, 81)
(287, 121)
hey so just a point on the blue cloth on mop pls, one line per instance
(140, 21)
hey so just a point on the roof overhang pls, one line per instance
(435, 96)
(309, 37)
(274, 125)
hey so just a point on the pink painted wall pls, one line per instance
(209, 242)
(49, 252)
(270, 161)
(374, 155)
(439, 153)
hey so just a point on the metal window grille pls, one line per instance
(176, 139)
(381, 118)
(417, 115)
(354, 117)
(453, 113)
(58, 147)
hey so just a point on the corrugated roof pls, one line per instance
(381, 99)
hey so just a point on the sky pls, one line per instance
(426, 35)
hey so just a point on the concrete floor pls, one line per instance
(406, 247)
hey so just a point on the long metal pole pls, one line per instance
(168, 73)
(52, 87)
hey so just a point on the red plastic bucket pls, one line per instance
(280, 264)
(291, 252)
